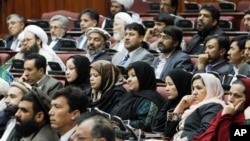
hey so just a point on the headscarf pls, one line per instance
(145, 75)
(109, 74)
(126, 3)
(82, 65)
(125, 17)
(246, 81)
(214, 93)
(182, 82)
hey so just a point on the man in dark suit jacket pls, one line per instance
(96, 44)
(215, 56)
(207, 22)
(171, 55)
(58, 29)
(35, 74)
(16, 25)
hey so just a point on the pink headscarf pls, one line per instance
(214, 93)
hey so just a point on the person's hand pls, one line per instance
(149, 34)
(202, 61)
(231, 109)
(185, 102)
(247, 112)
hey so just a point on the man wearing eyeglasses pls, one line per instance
(170, 7)
(58, 29)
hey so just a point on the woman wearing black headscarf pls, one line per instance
(178, 84)
(77, 71)
(141, 104)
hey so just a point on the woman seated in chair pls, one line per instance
(77, 71)
(178, 84)
(106, 89)
(194, 112)
(141, 104)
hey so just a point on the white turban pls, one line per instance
(126, 3)
(38, 31)
(124, 17)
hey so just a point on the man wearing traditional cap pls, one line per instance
(120, 21)
(15, 93)
(32, 119)
(96, 44)
(34, 40)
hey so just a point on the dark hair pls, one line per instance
(166, 18)
(239, 81)
(215, 13)
(223, 42)
(40, 60)
(137, 27)
(101, 128)
(94, 15)
(175, 33)
(175, 3)
(76, 98)
(241, 40)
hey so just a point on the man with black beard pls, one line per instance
(96, 43)
(15, 93)
(207, 22)
(32, 49)
(32, 119)
(171, 55)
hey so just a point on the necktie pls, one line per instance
(124, 60)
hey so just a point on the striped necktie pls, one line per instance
(124, 60)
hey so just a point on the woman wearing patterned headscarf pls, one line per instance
(178, 84)
(77, 71)
(104, 92)
(232, 113)
(141, 104)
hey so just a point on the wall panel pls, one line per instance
(33, 9)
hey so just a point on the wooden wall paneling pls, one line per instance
(33, 9)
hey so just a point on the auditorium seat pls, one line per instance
(69, 14)
(187, 39)
(194, 59)
(161, 90)
(140, 7)
(4, 57)
(243, 5)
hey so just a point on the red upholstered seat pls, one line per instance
(243, 5)
(4, 57)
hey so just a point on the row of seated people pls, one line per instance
(104, 85)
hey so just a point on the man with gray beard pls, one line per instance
(171, 55)
(96, 43)
(120, 21)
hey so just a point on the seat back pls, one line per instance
(185, 24)
(243, 5)
(192, 6)
(154, 7)
(227, 6)
(225, 25)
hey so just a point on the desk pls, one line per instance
(229, 33)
